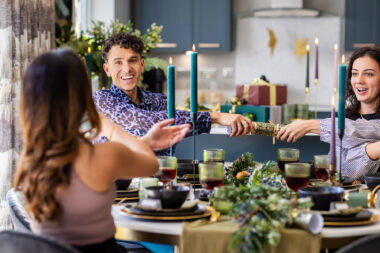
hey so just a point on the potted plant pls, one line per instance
(93, 40)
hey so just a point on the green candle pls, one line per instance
(194, 82)
(171, 90)
(342, 97)
(307, 68)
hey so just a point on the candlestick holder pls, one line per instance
(307, 90)
(316, 82)
(340, 134)
(193, 116)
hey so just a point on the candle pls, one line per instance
(307, 68)
(194, 81)
(332, 143)
(335, 68)
(171, 89)
(316, 61)
(342, 97)
(89, 60)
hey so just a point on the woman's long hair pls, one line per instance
(353, 108)
(55, 98)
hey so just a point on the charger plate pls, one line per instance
(207, 213)
(372, 220)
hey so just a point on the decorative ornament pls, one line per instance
(300, 50)
(272, 41)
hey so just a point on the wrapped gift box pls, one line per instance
(262, 94)
(275, 114)
(260, 113)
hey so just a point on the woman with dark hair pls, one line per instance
(66, 181)
(361, 145)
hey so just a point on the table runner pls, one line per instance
(204, 236)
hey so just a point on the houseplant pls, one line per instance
(94, 39)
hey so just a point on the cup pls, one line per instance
(287, 155)
(297, 175)
(167, 169)
(321, 166)
(146, 182)
(302, 111)
(213, 155)
(211, 174)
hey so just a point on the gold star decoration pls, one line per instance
(300, 50)
(272, 41)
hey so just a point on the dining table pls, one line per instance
(180, 233)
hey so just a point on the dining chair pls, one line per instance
(19, 216)
(12, 241)
(367, 244)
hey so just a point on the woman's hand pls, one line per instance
(162, 136)
(298, 129)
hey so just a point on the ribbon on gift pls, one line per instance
(258, 81)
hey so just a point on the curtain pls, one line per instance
(26, 30)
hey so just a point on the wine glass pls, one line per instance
(211, 175)
(287, 155)
(321, 166)
(167, 169)
(213, 155)
(297, 175)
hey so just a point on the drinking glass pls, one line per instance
(321, 166)
(211, 174)
(287, 155)
(297, 175)
(168, 168)
(213, 155)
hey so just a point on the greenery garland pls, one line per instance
(262, 204)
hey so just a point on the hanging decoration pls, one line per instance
(272, 41)
(300, 50)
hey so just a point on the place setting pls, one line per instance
(167, 201)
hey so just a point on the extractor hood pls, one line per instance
(282, 8)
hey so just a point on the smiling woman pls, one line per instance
(363, 84)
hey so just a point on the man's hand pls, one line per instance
(240, 125)
(162, 136)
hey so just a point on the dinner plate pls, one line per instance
(197, 209)
(350, 223)
(206, 213)
(364, 215)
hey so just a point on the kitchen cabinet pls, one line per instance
(362, 24)
(206, 23)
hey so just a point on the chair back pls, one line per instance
(368, 244)
(20, 218)
(15, 242)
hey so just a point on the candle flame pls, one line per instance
(336, 46)
(316, 41)
(343, 59)
(170, 60)
(333, 101)
(307, 47)
(89, 50)
(193, 47)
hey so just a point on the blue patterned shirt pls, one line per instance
(138, 119)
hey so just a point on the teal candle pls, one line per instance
(171, 90)
(89, 60)
(342, 97)
(194, 82)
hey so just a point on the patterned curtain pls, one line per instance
(26, 30)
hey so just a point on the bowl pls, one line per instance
(322, 196)
(122, 184)
(372, 180)
(171, 198)
(186, 167)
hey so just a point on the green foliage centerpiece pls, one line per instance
(261, 203)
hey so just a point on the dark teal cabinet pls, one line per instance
(362, 23)
(206, 23)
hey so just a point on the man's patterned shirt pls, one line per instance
(138, 119)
